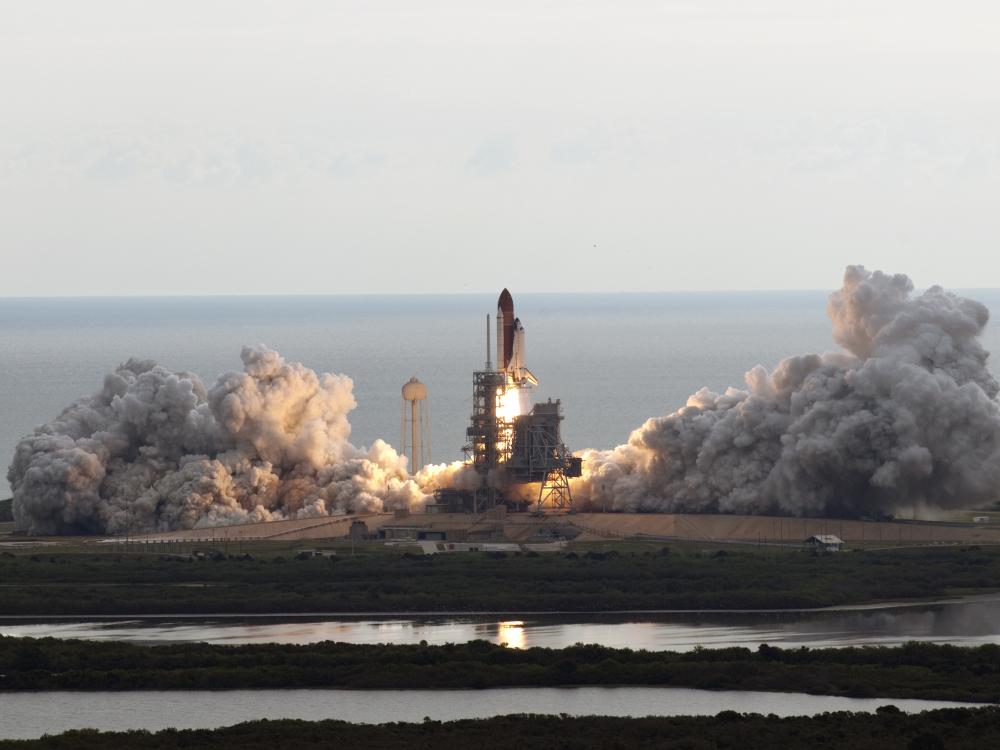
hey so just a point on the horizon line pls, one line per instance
(177, 295)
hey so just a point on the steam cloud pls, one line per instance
(153, 450)
(907, 416)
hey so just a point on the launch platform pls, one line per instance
(511, 441)
(501, 526)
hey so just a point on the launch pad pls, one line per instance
(500, 526)
(512, 443)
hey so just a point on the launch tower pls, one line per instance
(511, 441)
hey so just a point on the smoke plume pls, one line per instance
(155, 450)
(907, 415)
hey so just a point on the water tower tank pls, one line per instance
(414, 390)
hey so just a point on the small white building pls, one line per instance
(436, 548)
(825, 542)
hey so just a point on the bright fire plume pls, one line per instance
(509, 401)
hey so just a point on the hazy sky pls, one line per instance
(335, 147)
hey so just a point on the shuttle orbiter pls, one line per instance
(510, 342)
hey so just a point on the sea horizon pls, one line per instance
(614, 359)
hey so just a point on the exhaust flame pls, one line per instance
(513, 401)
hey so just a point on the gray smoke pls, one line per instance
(155, 450)
(906, 416)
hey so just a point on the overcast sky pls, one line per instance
(338, 147)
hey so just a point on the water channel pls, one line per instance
(971, 621)
(29, 715)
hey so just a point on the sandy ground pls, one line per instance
(776, 529)
(604, 526)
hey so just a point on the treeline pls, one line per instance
(888, 729)
(7, 511)
(43, 583)
(916, 670)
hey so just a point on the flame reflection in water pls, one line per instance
(511, 633)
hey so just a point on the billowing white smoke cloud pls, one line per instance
(154, 450)
(907, 416)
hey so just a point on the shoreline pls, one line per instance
(918, 671)
(870, 606)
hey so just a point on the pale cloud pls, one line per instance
(492, 156)
(775, 142)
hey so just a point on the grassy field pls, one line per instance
(380, 579)
(888, 729)
(916, 670)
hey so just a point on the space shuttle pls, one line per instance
(510, 342)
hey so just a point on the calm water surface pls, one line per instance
(970, 622)
(28, 715)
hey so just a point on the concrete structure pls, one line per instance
(330, 527)
(501, 526)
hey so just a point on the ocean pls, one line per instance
(613, 359)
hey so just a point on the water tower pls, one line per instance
(413, 425)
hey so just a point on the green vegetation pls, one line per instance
(916, 670)
(888, 729)
(39, 582)
(7, 511)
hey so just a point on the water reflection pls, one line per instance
(967, 623)
(511, 633)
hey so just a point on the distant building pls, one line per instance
(435, 548)
(980, 519)
(825, 542)
(441, 527)
(358, 531)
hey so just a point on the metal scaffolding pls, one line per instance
(483, 435)
(505, 452)
(538, 454)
